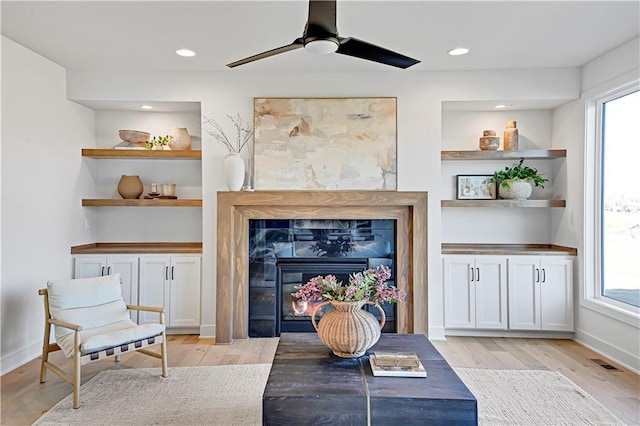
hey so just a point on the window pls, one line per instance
(618, 199)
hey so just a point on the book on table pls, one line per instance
(396, 364)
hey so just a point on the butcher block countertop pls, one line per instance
(509, 249)
(137, 248)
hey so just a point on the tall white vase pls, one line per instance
(234, 171)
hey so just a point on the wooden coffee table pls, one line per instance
(310, 385)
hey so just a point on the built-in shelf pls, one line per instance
(137, 248)
(508, 249)
(141, 154)
(503, 203)
(156, 202)
(534, 154)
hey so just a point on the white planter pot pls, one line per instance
(234, 171)
(518, 190)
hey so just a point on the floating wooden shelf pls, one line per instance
(534, 154)
(156, 202)
(136, 248)
(503, 203)
(141, 154)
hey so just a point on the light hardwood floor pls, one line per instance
(24, 399)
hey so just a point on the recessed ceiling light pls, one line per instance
(458, 51)
(146, 107)
(500, 106)
(185, 52)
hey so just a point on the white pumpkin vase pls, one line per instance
(517, 190)
(234, 171)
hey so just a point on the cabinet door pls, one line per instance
(556, 294)
(491, 292)
(89, 266)
(459, 292)
(127, 267)
(153, 286)
(524, 293)
(184, 297)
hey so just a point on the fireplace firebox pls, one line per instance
(287, 253)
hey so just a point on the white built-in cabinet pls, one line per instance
(173, 282)
(540, 293)
(170, 281)
(501, 292)
(126, 266)
(475, 292)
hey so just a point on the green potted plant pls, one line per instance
(159, 142)
(517, 182)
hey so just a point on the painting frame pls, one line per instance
(475, 187)
(325, 143)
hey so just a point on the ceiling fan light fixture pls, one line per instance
(321, 46)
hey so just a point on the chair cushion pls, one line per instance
(109, 336)
(89, 302)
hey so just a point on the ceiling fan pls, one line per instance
(321, 36)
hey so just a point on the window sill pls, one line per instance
(612, 311)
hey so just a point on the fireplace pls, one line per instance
(235, 210)
(284, 254)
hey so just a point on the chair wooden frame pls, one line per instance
(79, 359)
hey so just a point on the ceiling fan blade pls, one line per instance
(361, 49)
(322, 19)
(297, 43)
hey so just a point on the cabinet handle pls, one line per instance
(102, 271)
(478, 274)
(108, 270)
(544, 275)
(166, 273)
(537, 275)
(172, 270)
(473, 273)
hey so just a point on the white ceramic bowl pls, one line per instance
(134, 136)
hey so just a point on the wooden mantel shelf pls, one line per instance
(156, 202)
(533, 154)
(141, 154)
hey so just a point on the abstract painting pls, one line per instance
(325, 144)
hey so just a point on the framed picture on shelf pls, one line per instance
(475, 187)
(325, 144)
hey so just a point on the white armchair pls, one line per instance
(92, 323)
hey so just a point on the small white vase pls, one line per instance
(180, 139)
(234, 171)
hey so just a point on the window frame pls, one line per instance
(593, 207)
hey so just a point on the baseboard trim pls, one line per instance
(619, 355)
(20, 357)
(515, 334)
(436, 333)
(207, 331)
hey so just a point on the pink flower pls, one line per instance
(369, 286)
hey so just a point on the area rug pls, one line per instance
(532, 397)
(232, 395)
(221, 395)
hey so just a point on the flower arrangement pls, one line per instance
(244, 132)
(366, 286)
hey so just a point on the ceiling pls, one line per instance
(143, 35)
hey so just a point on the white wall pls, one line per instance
(602, 329)
(43, 180)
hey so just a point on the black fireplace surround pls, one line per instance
(284, 254)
